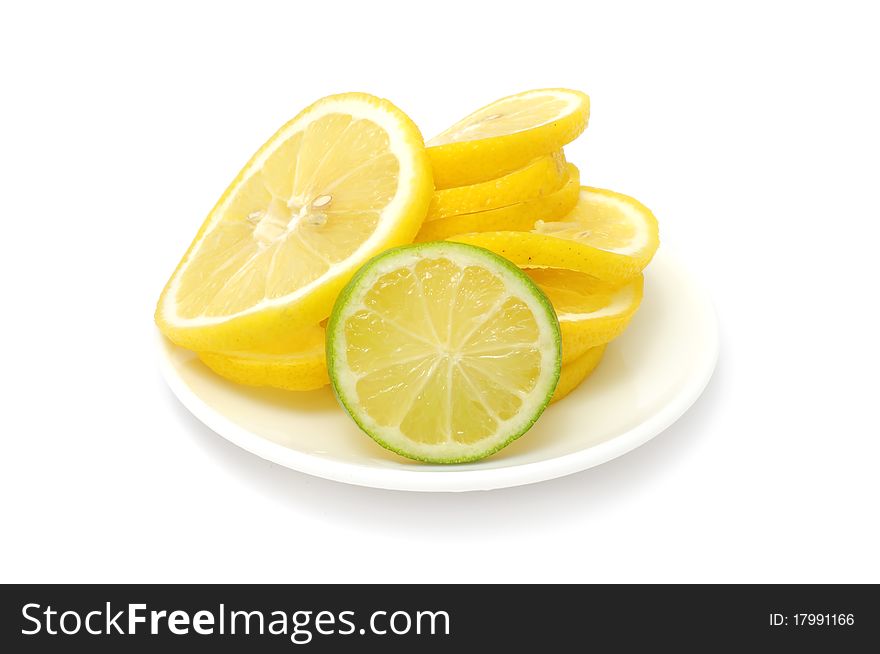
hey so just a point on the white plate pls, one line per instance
(648, 378)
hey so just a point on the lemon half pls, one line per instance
(344, 180)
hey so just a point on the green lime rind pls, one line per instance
(336, 321)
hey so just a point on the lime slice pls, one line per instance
(443, 352)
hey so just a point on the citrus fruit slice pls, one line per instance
(302, 368)
(517, 217)
(443, 352)
(506, 135)
(574, 372)
(590, 312)
(607, 235)
(345, 179)
(541, 177)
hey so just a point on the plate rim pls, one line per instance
(456, 479)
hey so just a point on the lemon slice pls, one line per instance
(539, 178)
(575, 372)
(345, 179)
(443, 352)
(607, 235)
(590, 312)
(300, 368)
(506, 135)
(517, 217)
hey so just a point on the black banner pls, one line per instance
(227, 618)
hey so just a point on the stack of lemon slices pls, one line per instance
(448, 291)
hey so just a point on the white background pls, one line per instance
(751, 131)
